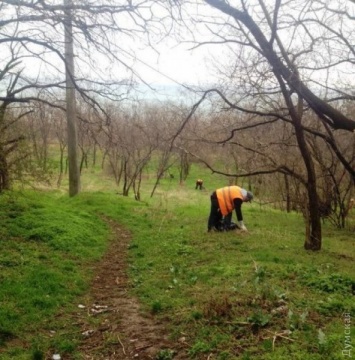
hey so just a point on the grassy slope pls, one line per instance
(248, 296)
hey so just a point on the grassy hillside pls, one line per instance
(228, 295)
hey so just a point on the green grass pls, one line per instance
(46, 248)
(226, 290)
(232, 296)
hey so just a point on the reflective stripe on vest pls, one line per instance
(226, 196)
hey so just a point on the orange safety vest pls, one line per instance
(226, 196)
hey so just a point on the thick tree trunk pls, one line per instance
(314, 241)
(314, 233)
(74, 174)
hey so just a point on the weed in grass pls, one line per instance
(259, 274)
(266, 294)
(297, 321)
(246, 356)
(322, 342)
(65, 344)
(218, 307)
(196, 315)
(225, 355)
(156, 307)
(192, 280)
(258, 320)
(37, 355)
(165, 354)
(335, 304)
(268, 345)
(332, 283)
(199, 347)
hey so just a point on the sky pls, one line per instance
(171, 68)
(175, 69)
(174, 65)
(167, 68)
(172, 56)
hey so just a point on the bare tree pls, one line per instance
(282, 66)
(128, 145)
(100, 39)
(10, 135)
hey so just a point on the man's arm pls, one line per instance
(238, 210)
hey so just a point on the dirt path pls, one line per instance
(121, 331)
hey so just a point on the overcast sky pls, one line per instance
(171, 66)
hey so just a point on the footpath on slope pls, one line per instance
(121, 330)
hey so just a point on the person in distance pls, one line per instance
(199, 184)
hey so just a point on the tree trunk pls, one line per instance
(137, 185)
(61, 165)
(288, 197)
(314, 242)
(4, 172)
(314, 239)
(74, 174)
(4, 169)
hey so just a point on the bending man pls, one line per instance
(199, 184)
(223, 201)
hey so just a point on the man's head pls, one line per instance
(249, 196)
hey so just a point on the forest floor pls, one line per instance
(121, 330)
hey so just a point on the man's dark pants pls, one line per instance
(215, 214)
